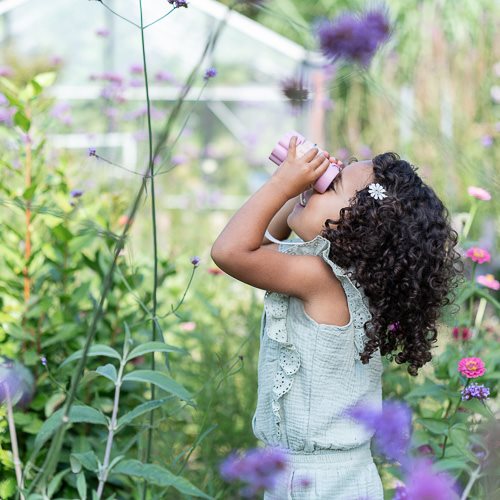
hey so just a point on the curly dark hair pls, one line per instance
(402, 252)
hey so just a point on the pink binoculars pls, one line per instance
(280, 152)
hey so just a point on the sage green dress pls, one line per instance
(308, 375)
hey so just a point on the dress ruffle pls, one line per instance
(276, 307)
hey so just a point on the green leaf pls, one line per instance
(81, 485)
(141, 409)
(108, 371)
(22, 121)
(88, 460)
(434, 425)
(75, 464)
(153, 347)
(45, 79)
(95, 350)
(28, 193)
(77, 413)
(115, 461)
(428, 388)
(451, 464)
(160, 380)
(159, 476)
(56, 482)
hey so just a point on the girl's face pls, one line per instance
(307, 219)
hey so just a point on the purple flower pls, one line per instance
(195, 261)
(76, 193)
(474, 390)
(487, 141)
(6, 115)
(6, 71)
(392, 426)
(102, 32)
(178, 3)
(17, 382)
(423, 483)
(259, 468)
(210, 73)
(354, 37)
(164, 76)
(136, 69)
(92, 152)
(43, 359)
(62, 111)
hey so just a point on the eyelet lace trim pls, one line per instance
(276, 307)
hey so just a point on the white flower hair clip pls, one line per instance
(377, 191)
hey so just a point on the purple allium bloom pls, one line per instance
(424, 483)
(136, 69)
(6, 71)
(392, 426)
(178, 3)
(354, 37)
(102, 32)
(92, 152)
(259, 468)
(135, 82)
(195, 261)
(210, 73)
(365, 151)
(294, 89)
(400, 493)
(76, 193)
(17, 381)
(178, 159)
(6, 115)
(62, 111)
(487, 141)
(43, 359)
(474, 390)
(3, 99)
(164, 76)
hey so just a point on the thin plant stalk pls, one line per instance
(480, 313)
(456, 408)
(104, 472)
(13, 440)
(473, 478)
(155, 245)
(470, 218)
(471, 300)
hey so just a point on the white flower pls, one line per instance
(377, 191)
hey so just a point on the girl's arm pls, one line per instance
(278, 226)
(238, 250)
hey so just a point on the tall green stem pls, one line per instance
(471, 300)
(468, 224)
(155, 245)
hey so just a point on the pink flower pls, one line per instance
(188, 326)
(471, 367)
(461, 333)
(479, 255)
(479, 193)
(489, 281)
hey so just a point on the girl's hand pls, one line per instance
(295, 175)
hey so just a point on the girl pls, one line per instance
(371, 269)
